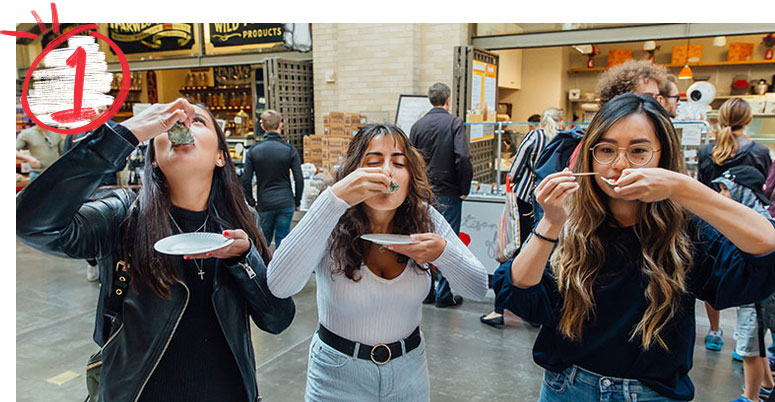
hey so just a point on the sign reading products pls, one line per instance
(228, 34)
(151, 37)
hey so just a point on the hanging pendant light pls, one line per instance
(686, 72)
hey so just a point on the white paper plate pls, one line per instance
(191, 243)
(387, 239)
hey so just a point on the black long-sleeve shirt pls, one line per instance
(721, 274)
(270, 161)
(443, 143)
(197, 364)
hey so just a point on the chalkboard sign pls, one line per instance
(410, 109)
(151, 37)
(231, 34)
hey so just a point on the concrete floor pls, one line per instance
(468, 361)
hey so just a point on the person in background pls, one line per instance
(612, 272)
(443, 143)
(669, 95)
(522, 179)
(534, 118)
(369, 346)
(743, 184)
(270, 160)
(44, 146)
(731, 148)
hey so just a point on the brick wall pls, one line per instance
(374, 63)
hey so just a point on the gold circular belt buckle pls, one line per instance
(390, 353)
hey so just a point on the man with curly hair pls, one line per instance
(633, 76)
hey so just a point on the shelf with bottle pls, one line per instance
(709, 64)
(216, 89)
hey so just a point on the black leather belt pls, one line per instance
(379, 354)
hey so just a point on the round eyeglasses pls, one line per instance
(637, 154)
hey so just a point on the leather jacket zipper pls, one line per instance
(112, 337)
(188, 294)
(250, 350)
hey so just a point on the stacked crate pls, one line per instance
(339, 128)
(340, 124)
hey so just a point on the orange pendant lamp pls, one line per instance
(686, 72)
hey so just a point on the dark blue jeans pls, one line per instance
(576, 384)
(276, 224)
(452, 208)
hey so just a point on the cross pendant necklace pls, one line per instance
(198, 265)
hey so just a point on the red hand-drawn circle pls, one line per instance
(117, 102)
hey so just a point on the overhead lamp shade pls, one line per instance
(720, 41)
(686, 73)
(649, 45)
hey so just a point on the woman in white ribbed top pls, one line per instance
(369, 294)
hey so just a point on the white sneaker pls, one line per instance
(92, 275)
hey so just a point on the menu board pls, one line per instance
(410, 109)
(484, 86)
(238, 34)
(151, 37)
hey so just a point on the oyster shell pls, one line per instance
(179, 134)
(393, 187)
(610, 182)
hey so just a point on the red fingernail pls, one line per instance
(225, 232)
(209, 254)
(186, 258)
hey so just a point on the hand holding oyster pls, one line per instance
(179, 134)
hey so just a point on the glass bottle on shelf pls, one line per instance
(202, 80)
(209, 99)
(222, 99)
(190, 83)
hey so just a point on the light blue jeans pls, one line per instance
(335, 376)
(575, 384)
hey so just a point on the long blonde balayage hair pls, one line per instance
(665, 245)
(734, 114)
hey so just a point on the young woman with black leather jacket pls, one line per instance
(170, 328)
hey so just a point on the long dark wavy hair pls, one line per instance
(150, 220)
(666, 249)
(347, 249)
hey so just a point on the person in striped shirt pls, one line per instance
(522, 179)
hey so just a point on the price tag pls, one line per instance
(691, 136)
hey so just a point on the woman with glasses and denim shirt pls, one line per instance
(615, 264)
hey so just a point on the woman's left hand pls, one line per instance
(238, 247)
(428, 248)
(647, 184)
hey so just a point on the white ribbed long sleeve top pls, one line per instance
(373, 310)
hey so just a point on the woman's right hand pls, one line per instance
(361, 184)
(159, 118)
(552, 193)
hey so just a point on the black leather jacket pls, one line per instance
(54, 215)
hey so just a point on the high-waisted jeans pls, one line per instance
(575, 384)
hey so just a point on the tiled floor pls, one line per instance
(468, 361)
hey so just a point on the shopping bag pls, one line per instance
(508, 239)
